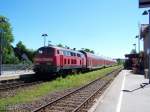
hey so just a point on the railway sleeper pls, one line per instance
(59, 109)
(71, 105)
(71, 102)
(82, 95)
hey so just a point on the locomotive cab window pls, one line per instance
(45, 51)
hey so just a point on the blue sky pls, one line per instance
(107, 27)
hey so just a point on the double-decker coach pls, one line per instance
(93, 61)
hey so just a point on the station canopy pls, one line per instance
(144, 3)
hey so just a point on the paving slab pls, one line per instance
(134, 98)
(10, 75)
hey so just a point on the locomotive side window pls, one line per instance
(78, 55)
(40, 52)
(71, 53)
(68, 53)
(57, 51)
(64, 53)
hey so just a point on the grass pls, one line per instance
(60, 83)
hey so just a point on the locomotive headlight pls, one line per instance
(49, 63)
(37, 63)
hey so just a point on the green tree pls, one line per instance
(60, 45)
(21, 46)
(7, 37)
(21, 49)
(120, 61)
(31, 53)
(88, 50)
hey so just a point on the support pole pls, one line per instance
(149, 49)
(1, 36)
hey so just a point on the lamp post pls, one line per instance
(1, 35)
(134, 47)
(44, 35)
(138, 37)
(147, 12)
(2, 20)
(49, 43)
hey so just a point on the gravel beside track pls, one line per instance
(10, 88)
(76, 100)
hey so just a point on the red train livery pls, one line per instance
(52, 59)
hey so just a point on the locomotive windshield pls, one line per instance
(46, 50)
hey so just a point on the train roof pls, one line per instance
(96, 56)
(64, 49)
(79, 52)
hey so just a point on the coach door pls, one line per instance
(82, 62)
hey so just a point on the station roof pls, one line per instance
(144, 3)
(132, 55)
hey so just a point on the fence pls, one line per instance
(16, 68)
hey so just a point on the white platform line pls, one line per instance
(121, 95)
(101, 98)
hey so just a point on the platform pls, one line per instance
(134, 98)
(12, 75)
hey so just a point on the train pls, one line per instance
(53, 59)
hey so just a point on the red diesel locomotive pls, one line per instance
(52, 59)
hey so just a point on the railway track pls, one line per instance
(17, 84)
(77, 100)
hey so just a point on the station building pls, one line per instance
(145, 35)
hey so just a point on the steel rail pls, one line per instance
(89, 98)
(94, 94)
